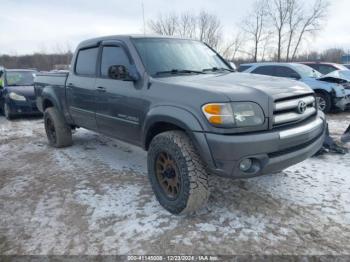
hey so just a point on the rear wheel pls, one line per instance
(58, 132)
(324, 102)
(177, 174)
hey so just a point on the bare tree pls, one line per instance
(204, 26)
(187, 25)
(231, 48)
(165, 25)
(295, 18)
(278, 11)
(209, 29)
(311, 22)
(255, 26)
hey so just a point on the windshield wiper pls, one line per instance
(215, 69)
(177, 71)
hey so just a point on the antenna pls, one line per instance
(143, 17)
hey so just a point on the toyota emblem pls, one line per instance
(302, 107)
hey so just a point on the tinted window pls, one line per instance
(283, 71)
(265, 70)
(113, 55)
(313, 66)
(86, 61)
(243, 68)
(326, 69)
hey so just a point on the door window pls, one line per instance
(283, 71)
(243, 68)
(113, 55)
(86, 61)
(265, 70)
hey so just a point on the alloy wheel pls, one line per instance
(167, 175)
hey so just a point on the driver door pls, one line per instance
(119, 103)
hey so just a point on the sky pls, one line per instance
(28, 26)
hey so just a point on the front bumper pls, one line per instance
(27, 107)
(270, 151)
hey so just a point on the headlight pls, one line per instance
(237, 114)
(16, 97)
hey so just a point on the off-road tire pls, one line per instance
(327, 100)
(194, 191)
(54, 121)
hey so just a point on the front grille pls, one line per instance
(293, 110)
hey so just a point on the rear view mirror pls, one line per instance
(120, 72)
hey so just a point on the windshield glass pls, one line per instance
(342, 67)
(307, 71)
(20, 78)
(164, 55)
(342, 74)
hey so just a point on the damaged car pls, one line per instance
(330, 95)
(341, 77)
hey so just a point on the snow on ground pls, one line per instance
(94, 198)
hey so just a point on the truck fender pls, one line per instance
(49, 94)
(183, 119)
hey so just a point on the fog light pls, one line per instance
(245, 165)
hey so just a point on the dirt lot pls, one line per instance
(94, 198)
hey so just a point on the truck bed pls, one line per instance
(54, 80)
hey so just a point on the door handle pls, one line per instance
(70, 85)
(101, 89)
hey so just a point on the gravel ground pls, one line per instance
(94, 198)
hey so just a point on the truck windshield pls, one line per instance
(20, 78)
(177, 56)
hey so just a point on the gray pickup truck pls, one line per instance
(181, 102)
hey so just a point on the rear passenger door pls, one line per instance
(81, 93)
(120, 103)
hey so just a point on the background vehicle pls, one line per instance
(329, 95)
(347, 65)
(325, 68)
(17, 95)
(1, 77)
(341, 77)
(180, 101)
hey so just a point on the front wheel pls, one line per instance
(7, 111)
(177, 174)
(58, 132)
(324, 102)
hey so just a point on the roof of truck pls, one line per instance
(95, 41)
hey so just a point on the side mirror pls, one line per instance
(120, 72)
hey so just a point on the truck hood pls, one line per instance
(235, 85)
(27, 91)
